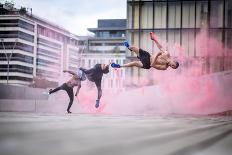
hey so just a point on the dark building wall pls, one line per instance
(107, 23)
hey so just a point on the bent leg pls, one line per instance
(56, 89)
(133, 64)
(99, 93)
(134, 49)
(99, 90)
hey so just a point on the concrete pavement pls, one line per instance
(90, 134)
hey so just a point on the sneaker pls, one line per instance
(126, 44)
(49, 92)
(68, 112)
(114, 65)
(97, 103)
(45, 93)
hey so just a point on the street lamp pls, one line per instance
(8, 58)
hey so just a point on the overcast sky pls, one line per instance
(76, 15)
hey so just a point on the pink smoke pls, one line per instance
(186, 90)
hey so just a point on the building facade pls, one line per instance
(37, 47)
(107, 45)
(179, 22)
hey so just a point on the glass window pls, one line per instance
(136, 16)
(146, 42)
(147, 15)
(16, 34)
(216, 14)
(46, 42)
(8, 23)
(41, 30)
(26, 25)
(46, 52)
(18, 45)
(173, 42)
(105, 34)
(201, 42)
(188, 14)
(161, 34)
(135, 38)
(26, 36)
(228, 52)
(17, 57)
(228, 39)
(46, 63)
(16, 78)
(228, 14)
(25, 47)
(216, 34)
(174, 14)
(44, 73)
(16, 68)
(8, 34)
(188, 42)
(160, 13)
(201, 14)
(129, 16)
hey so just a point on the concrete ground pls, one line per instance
(81, 134)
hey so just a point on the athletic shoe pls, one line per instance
(68, 112)
(49, 92)
(97, 103)
(114, 65)
(126, 44)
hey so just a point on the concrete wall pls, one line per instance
(24, 93)
(23, 99)
(17, 98)
(210, 94)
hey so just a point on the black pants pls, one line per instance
(90, 74)
(99, 90)
(69, 91)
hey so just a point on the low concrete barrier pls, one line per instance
(24, 99)
(24, 93)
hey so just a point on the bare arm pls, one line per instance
(70, 72)
(154, 38)
(78, 89)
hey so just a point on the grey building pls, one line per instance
(107, 45)
(180, 22)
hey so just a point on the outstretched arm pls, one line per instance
(70, 72)
(87, 71)
(155, 39)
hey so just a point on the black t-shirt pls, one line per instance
(95, 74)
